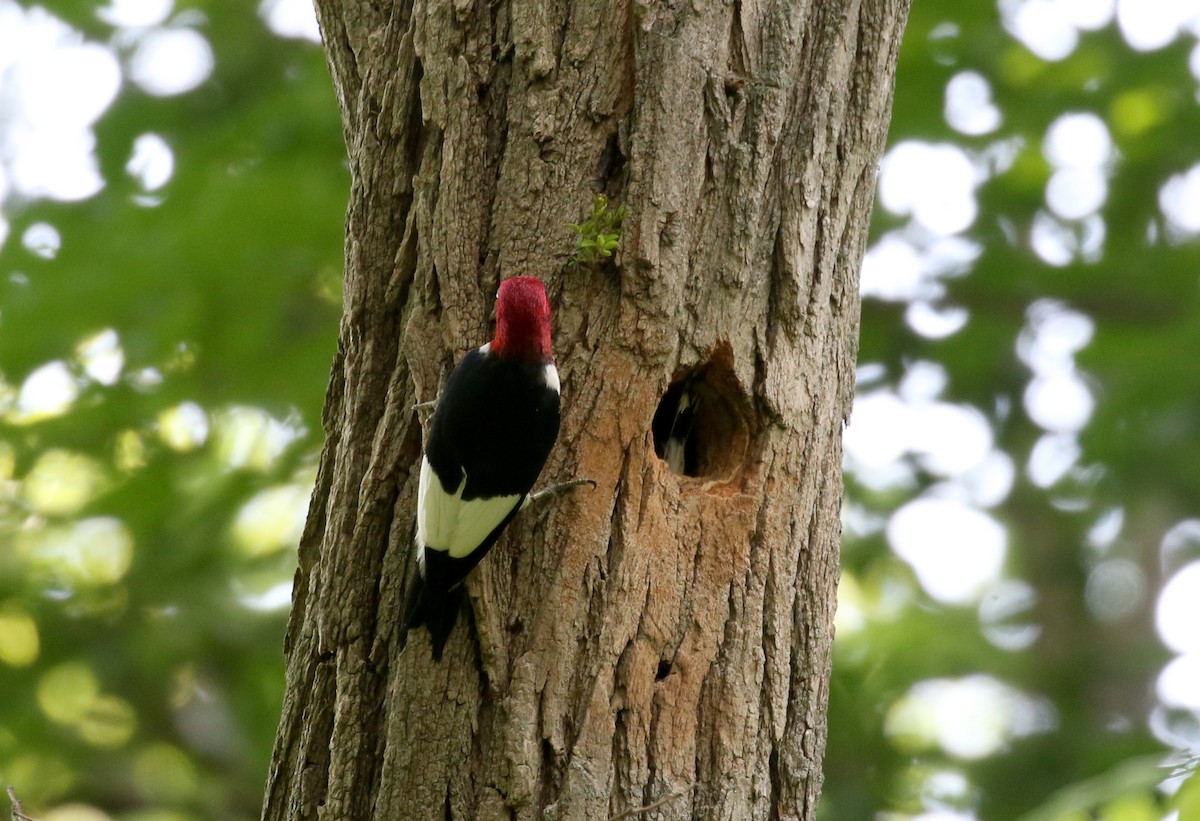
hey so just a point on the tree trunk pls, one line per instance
(663, 639)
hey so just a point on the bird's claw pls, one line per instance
(554, 490)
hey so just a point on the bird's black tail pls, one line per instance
(436, 610)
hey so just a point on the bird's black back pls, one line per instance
(497, 423)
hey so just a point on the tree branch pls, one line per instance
(18, 812)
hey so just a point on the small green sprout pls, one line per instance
(599, 234)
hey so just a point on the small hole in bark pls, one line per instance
(702, 427)
(664, 670)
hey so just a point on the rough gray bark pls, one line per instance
(662, 635)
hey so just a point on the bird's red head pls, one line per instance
(522, 320)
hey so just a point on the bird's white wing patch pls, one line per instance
(445, 522)
(550, 375)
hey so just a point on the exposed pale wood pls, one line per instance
(659, 634)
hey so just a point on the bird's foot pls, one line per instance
(432, 403)
(555, 490)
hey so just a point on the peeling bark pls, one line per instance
(662, 635)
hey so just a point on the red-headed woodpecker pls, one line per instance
(490, 434)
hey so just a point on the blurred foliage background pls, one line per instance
(1019, 616)
(165, 342)
(1019, 626)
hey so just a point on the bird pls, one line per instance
(673, 427)
(680, 449)
(492, 429)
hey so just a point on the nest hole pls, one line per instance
(703, 424)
